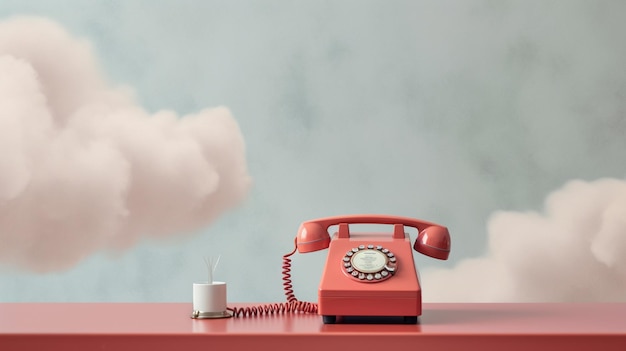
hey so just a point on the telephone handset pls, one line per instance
(433, 239)
(366, 274)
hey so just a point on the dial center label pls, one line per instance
(369, 261)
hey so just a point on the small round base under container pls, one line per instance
(210, 315)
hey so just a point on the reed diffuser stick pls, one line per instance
(211, 266)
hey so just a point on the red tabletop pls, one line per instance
(168, 326)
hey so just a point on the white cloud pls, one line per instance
(83, 168)
(574, 251)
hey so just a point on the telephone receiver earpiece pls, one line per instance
(433, 240)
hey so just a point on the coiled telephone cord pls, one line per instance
(292, 305)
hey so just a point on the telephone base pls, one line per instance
(327, 319)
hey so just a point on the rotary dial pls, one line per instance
(369, 263)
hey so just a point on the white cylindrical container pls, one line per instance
(209, 300)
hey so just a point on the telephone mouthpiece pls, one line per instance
(312, 237)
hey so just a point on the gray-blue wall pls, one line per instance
(442, 110)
